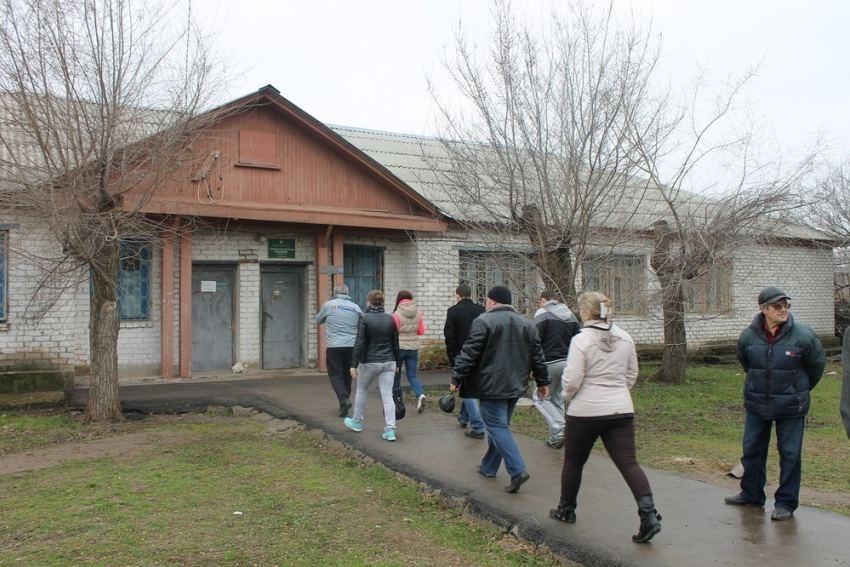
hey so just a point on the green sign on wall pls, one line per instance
(282, 248)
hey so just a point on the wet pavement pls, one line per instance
(698, 529)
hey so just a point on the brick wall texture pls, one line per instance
(48, 320)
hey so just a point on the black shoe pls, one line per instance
(738, 500)
(516, 482)
(781, 514)
(650, 520)
(462, 424)
(474, 434)
(481, 471)
(565, 514)
(344, 407)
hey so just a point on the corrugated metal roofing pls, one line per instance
(422, 163)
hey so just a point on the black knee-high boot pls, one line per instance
(650, 519)
(566, 511)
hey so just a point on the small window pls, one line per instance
(710, 292)
(4, 254)
(481, 270)
(621, 277)
(134, 280)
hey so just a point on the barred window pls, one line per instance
(4, 254)
(482, 270)
(619, 276)
(134, 280)
(710, 292)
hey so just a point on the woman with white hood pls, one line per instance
(601, 370)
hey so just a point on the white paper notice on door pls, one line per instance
(207, 286)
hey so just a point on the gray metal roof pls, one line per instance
(424, 164)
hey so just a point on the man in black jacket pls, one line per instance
(502, 349)
(784, 360)
(459, 318)
(556, 326)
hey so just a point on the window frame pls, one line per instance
(490, 269)
(613, 287)
(711, 289)
(142, 247)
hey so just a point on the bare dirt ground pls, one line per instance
(133, 437)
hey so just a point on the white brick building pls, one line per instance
(299, 204)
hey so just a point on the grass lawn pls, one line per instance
(698, 427)
(224, 491)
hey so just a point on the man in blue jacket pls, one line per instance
(340, 316)
(784, 361)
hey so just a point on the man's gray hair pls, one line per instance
(340, 289)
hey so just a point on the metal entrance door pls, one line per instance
(363, 271)
(212, 317)
(282, 319)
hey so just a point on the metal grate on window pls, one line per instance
(134, 280)
(481, 270)
(621, 277)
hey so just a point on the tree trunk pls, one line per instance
(104, 404)
(675, 357)
(666, 260)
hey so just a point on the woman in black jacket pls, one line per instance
(376, 353)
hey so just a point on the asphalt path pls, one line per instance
(698, 529)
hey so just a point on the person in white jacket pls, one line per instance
(601, 370)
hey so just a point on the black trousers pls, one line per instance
(339, 371)
(618, 435)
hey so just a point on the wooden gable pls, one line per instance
(268, 160)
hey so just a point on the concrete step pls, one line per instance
(20, 381)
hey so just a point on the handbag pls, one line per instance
(398, 398)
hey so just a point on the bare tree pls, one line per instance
(100, 101)
(827, 209)
(565, 144)
(695, 239)
(541, 154)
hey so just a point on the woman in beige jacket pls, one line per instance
(601, 370)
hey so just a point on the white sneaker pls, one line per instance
(420, 407)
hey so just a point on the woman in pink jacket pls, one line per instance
(601, 370)
(411, 324)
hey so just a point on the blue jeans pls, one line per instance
(789, 441)
(500, 443)
(469, 414)
(410, 360)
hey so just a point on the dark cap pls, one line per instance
(500, 294)
(771, 295)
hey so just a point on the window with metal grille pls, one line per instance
(619, 276)
(4, 254)
(134, 280)
(482, 270)
(710, 292)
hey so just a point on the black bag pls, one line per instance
(398, 398)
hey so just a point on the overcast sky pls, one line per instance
(365, 63)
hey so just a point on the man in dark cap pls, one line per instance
(502, 349)
(783, 360)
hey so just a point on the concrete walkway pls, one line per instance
(698, 529)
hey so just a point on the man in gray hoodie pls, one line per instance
(340, 316)
(556, 326)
